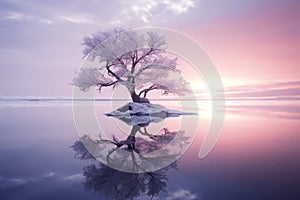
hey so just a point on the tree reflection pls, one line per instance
(114, 184)
(138, 154)
(146, 156)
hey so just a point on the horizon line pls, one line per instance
(37, 98)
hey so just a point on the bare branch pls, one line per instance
(154, 87)
(139, 59)
(134, 61)
(106, 84)
(111, 72)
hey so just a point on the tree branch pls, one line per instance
(139, 59)
(134, 61)
(111, 72)
(146, 90)
(149, 66)
(106, 84)
(143, 56)
(154, 87)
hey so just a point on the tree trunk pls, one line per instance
(137, 99)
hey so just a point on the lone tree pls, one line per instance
(138, 61)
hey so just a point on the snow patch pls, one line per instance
(143, 113)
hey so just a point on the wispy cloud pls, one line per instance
(279, 90)
(17, 181)
(59, 177)
(181, 194)
(74, 177)
(49, 175)
(14, 16)
(78, 19)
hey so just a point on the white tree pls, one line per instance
(136, 60)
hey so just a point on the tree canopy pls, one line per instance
(138, 61)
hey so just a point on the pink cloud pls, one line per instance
(277, 90)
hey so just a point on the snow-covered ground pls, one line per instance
(143, 113)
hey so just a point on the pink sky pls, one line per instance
(262, 45)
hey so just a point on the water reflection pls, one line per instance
(140, 151)
(145, 155)
(256, 157)
(115, 184)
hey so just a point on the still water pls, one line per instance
(256, 157)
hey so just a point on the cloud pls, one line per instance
(49, 175)
(77, 19)
(154, 9)
(273, 85)
(57, 177)
(268, 93)
(279, 90)
(74, 177)
(181, 194)
(179, 6)
(92, 11)
(52, 12)
(17, 181)
(13, 182)
(13, 16)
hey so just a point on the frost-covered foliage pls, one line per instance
(87, 77)
(133, 59)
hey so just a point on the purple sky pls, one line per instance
(252, 42)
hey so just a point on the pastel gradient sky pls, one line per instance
(254, 44)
